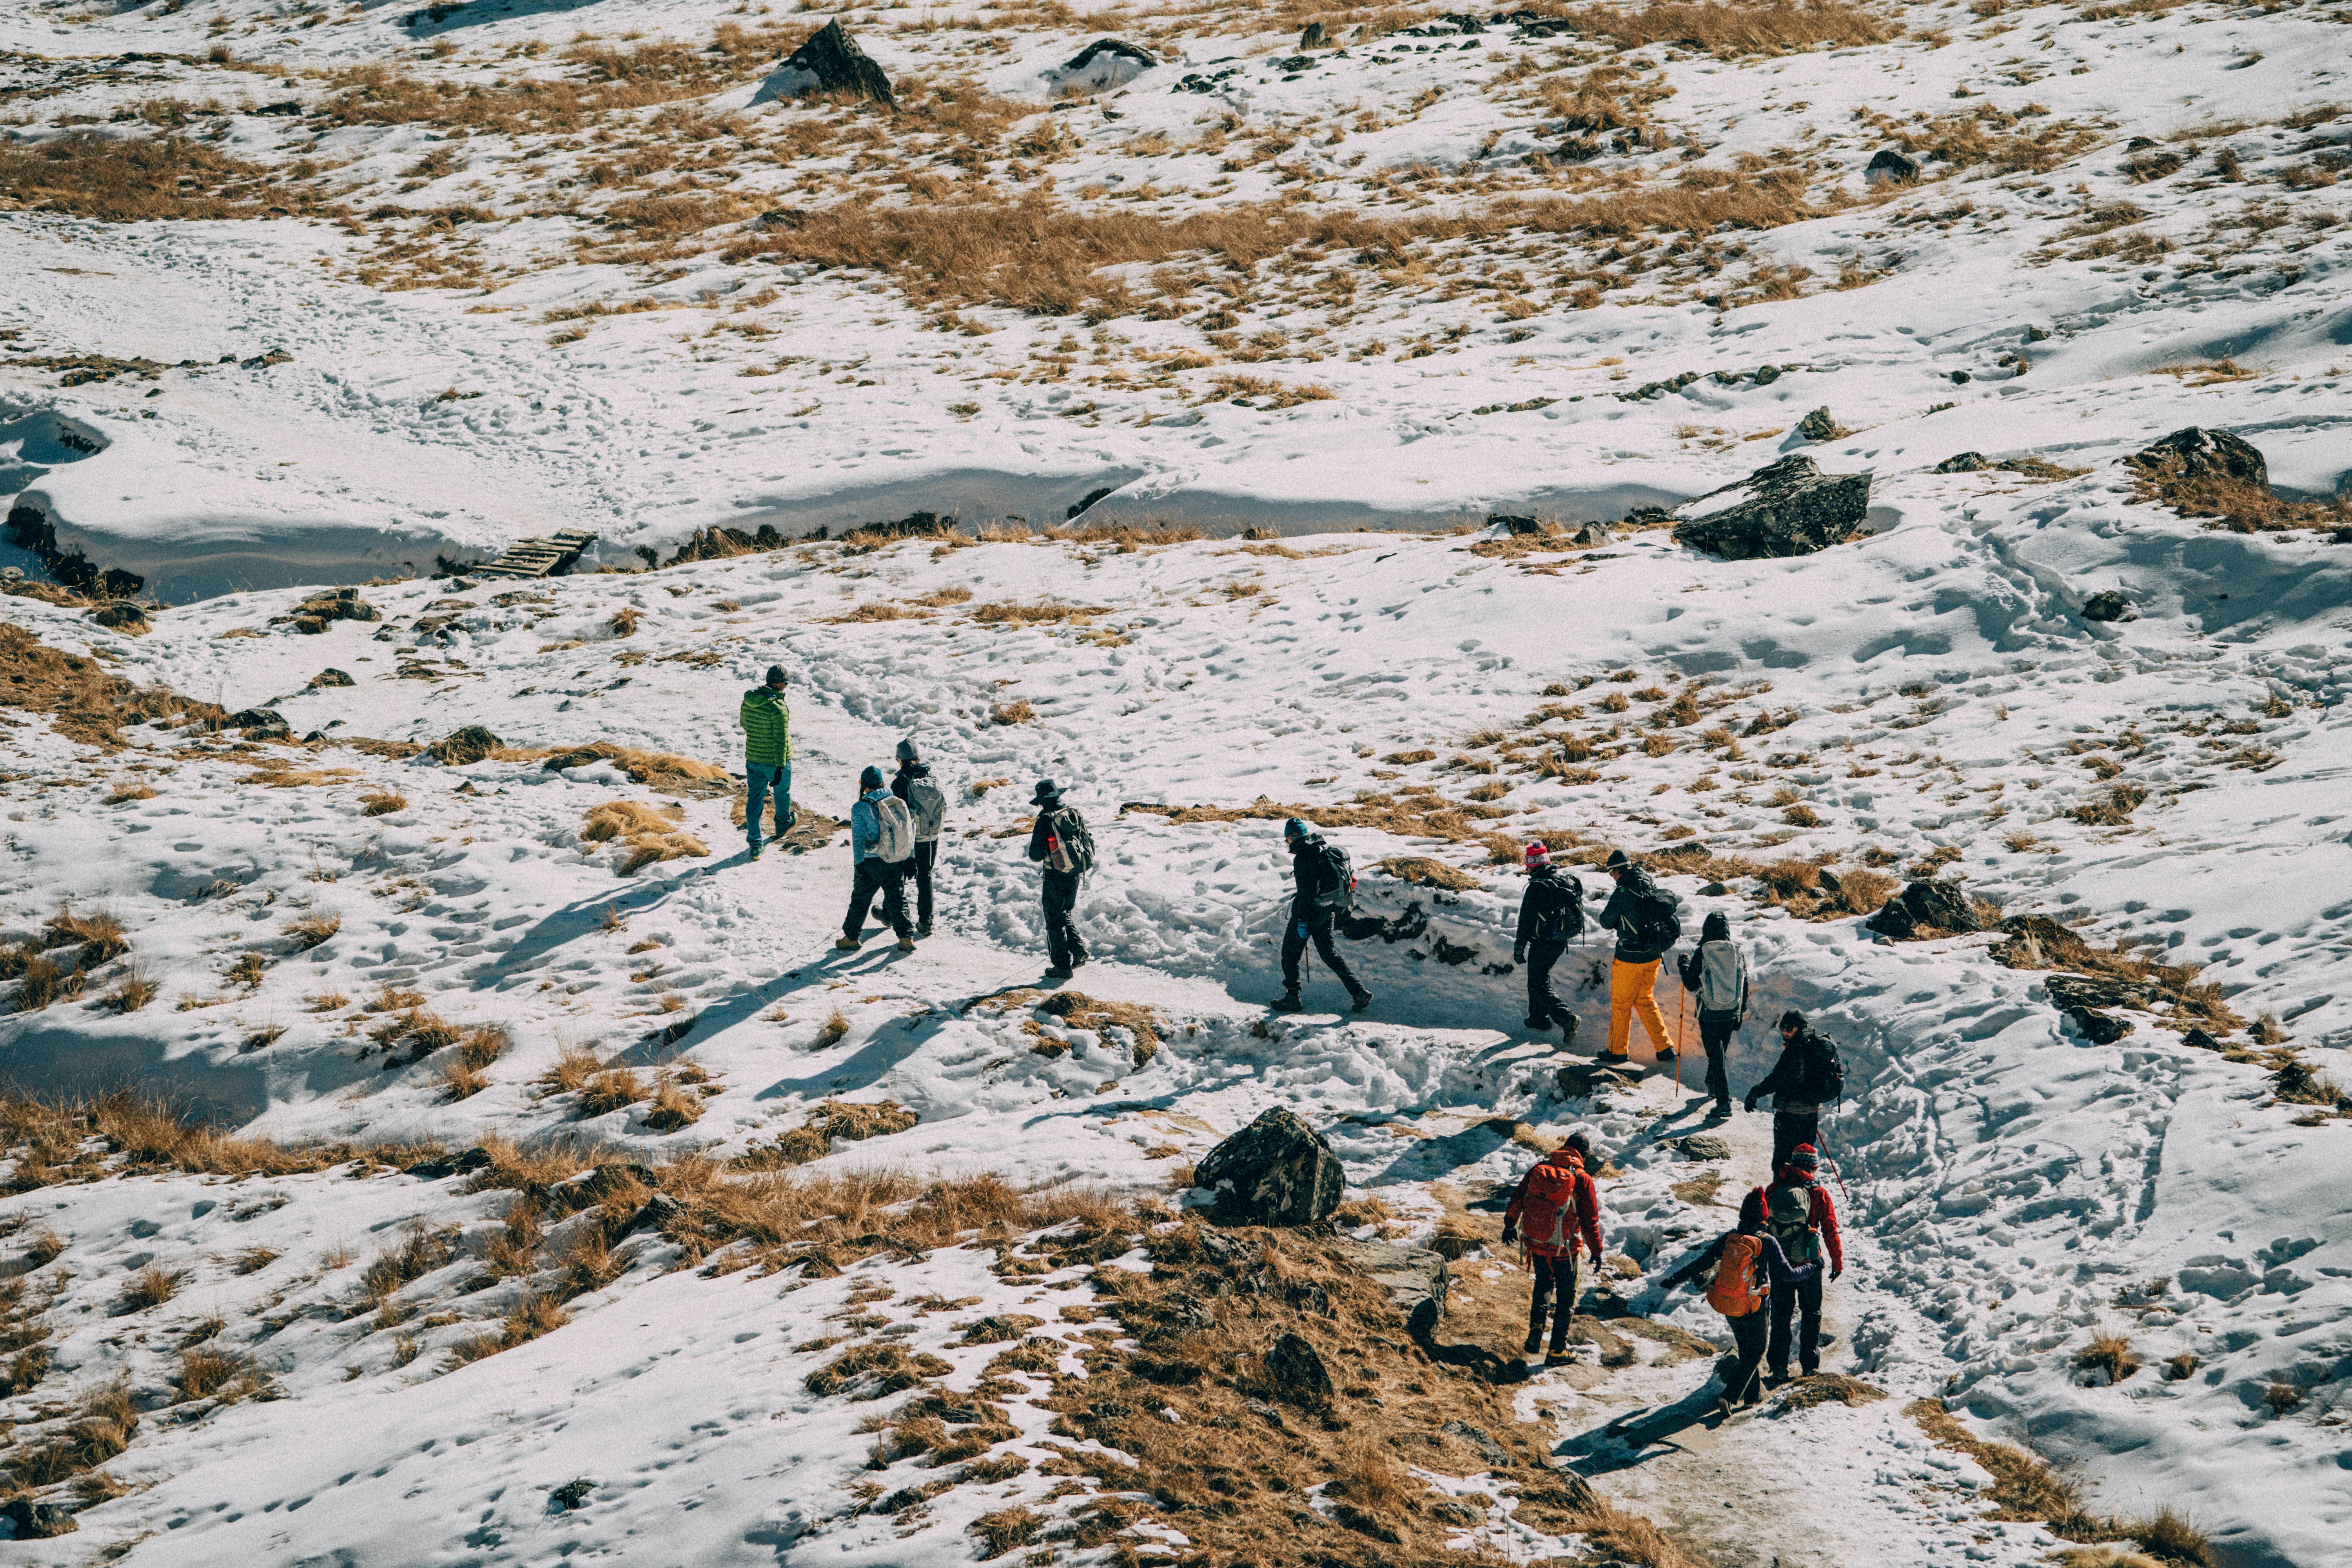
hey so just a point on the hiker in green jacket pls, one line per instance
(767, 755)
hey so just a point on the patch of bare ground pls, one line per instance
(1731, 31)
(128, 179)
(2239, 505)
(1265, 1365)
(1410, 814)
(81, 698)
(2027, 1487)
(2122, 975)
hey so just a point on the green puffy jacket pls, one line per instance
(767, 728)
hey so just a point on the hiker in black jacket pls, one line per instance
(1751, 1324)
(1551, 912)
(1648, 923)
(1319, 895)
(1060, 843)
(1718, 971)
(1807, 1076)
(913, 783)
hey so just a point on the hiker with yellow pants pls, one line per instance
(1648, 921)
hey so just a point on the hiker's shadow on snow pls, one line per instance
(1432, 1158)
(580, 918)
(1639, 1435)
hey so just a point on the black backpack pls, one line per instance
(1562, 917)
(1657, 920)
(1821, 1079)
(1077, 845)
(1337, 884)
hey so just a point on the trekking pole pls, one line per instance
(1682, 1010)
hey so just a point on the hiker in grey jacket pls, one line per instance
(871, 873)
(1717, 972)
(913, 783)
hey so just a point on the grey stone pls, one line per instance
(1705, 1146)
(331, 676)
(828, 60)
(2111, 605)
(1314, 37)
(1104, 64)
(38, 1521)
(1964, 463)
(1789, 508)
(2195, 454)
(2099, 1028)
(658, 1211)
(1592, 535)
(1941, 905)
(1519, 526)
(1276, 1171)
(1494, 1453)
(1818, 426)
(1415, 1279)
(1297, 1370)
(572, 1494)
(1891, 167)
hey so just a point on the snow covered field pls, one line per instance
(2123, 1119)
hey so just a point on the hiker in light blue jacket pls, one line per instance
(881, 846)
(1718, 971)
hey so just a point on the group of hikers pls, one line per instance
(1767, 1271)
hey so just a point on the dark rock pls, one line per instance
(1314, 37)
(331, 676)
(38, 1521)
(2111, 605)
(1088, 501)
(1349, 1517)
(1593, 534)
(659, 1210)
(1705, 1146)
(470, 744)
(914, 525)
(828, 60)
(1939, 905)
(1819, 425)
(2099, 1028)
(122, 616)
(473, 1159)
(2202, 1040)
(2195, 454)
(1960, 378)
(1106, 63)
(1789, 508)
(1964, 463)
(1276, 1171)
(2070, 991)
(1296, 1372)
(314, 614)
(781, 217)
(1415, 1279)
(1495, 1456)
(1891, 167)
(263, 361)
(572, 1495)
(1518, 526)
(284, 106)
(259, 724)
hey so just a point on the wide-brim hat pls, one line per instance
(1046, 790)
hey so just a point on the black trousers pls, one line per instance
(1543, 1007)
(1747, 1333)
(888, 878)
(927, 850)
(1716, 1039)
(1791, 1128)
(1555, 1280)
(1061, 933)
(1294, 947)
(1802, 1300)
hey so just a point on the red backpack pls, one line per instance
(1548, 1216)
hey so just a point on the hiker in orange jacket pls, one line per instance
(1747, 1263)
(1797, 1211)
(1555, 1205)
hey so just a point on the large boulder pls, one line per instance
(1926, 908)
(1102, 65)
(1891, 168)
(2195, 454)
(1415, 1279)
(1276, 1171)
(828, 60)
(1296, 1372)
(1789, 508)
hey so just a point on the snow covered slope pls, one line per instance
(533, 267)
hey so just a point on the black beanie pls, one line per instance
(1792, 1019)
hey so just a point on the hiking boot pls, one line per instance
(1535, 1340)
(1288, 1002)
(1755, 1397)
(906, 944)
(1078, 958)
(1057, 973)
(755, 852)
(1721, 1111)
(847, 944)
(1540, 1025)
(1776, 1377)
(923, 931)
(1363, 999)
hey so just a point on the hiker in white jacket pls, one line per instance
(1718, 971)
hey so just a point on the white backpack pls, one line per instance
(1719, 975)
(930, 808)
(896, 839)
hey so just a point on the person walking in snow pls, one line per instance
(1551, 915)
(1060, 843)
(1555, 1206)
(881, 846)
(1717, 972)
(767, 755)
(1324, 885)
(1797, 1210)
(1749, 1264)
(1807, 1076)
(913, 783)
(1648, 921)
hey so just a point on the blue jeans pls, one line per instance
(759, 778)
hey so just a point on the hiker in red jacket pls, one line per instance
(1556, 1203)
(1796, 1210)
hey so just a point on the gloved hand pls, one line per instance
(1302, 928)
(1596, 1260)
(1836, 1272)
(1510, 1234)
(1750, 1103)
(1519, 953)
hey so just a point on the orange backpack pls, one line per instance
(1548, 1216)
(1737, 1290)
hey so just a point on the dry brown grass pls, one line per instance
(1010, 714)
(656, 770)
(150, 1287)
(831, 1121)
(224, 1375)
(420, 1250)
(381, 803)
(2111, 1354)
(99, 1428)
(311, 928)
(1734, 30)
(132, 989)
(530, 1318)
(674, 1107)
(611, 1090)
(99, 935)
(644, 833)
(136, 179)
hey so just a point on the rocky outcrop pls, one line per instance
(1276, 1171)
(2195, 454)
(1415, 1279)
(2111, 605)
(1296, 1372)
(1925, 909)
(1789, 508)
(1891, 168)
(1102, 65)
(470, 744)
(828, 60)
(325, 608)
